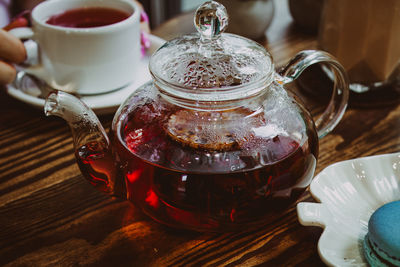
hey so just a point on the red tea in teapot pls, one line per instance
(190, 186)
(215, 142)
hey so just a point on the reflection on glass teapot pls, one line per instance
(214, 142)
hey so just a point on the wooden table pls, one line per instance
(50, 216)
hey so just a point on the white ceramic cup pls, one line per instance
(83, 61)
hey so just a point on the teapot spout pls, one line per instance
(92, 146)
(86, 127)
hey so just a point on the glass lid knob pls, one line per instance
(211, 20)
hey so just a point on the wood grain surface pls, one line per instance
(50, 216)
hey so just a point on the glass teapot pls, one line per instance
(214, 142)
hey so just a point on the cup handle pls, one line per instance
(338, 102)
(31, 47)
(31, 67)
(22, 32)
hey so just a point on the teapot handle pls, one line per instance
(338, 102)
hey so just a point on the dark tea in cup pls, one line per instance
(88, 17)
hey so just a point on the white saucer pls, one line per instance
(104, 103)
(348, 193)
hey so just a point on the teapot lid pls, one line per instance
(210, 58)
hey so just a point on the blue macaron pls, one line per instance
(382, 243)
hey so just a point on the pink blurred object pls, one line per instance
(21, 20)
(145, 42)
(144, 17)
(144, 35)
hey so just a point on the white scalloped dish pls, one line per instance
(349, 192)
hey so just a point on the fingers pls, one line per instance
(11, 48)
(7, 73)
(12, 51)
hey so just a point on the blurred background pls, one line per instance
(161, 10)
(362, 34)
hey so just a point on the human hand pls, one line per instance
(12, 51)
